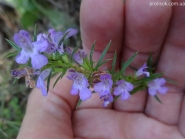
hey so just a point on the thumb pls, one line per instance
(49, 117)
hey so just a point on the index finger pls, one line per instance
(101, 21)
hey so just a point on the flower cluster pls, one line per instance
(47, 55)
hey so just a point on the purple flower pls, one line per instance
(68, 50)
(40, 82)
(107, 99)
(123, 88)
(142, 71)
(51, 47)
(157, 85)
(42, 37)
(57, 36)
(78, 56)
(22, 72)
(104, 87)
(80, 85)
(30, 50)
(18, 73)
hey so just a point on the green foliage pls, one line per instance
(29, 18)
(100, 61)
(14, 45)
(114, 62)
(86, 64)
(149, 63)
(59, 77)
(127, 63)
(78, 103)
(63, 38)
(56, 17)
(35, 33)
(11, 108)
(43, 15)
(12, 54)
(48, 80)
(32, 11)
(91, 55)
(157, 98)
(11, 118)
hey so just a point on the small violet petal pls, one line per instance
(41, 46)
(38, 60)
(40, 82)
(16, 39)
(123, 88)
(26, 34)
(42, 37)
(22, 57)
(74, 90)
(163, 90)
(80, 85)
(23, 40)
(71, 32)
(142, 71)
(125, 95)
(152, 91)
(41, 85)
(104, 87)
(85, 94)
(157, 85)
(107, 99)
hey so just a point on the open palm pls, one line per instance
(132, 26)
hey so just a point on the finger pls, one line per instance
(49, 117)
(120, 125)
(171, 63)
(181, 119)
(101, 20)
(145, 29)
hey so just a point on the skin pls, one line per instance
(132, 26)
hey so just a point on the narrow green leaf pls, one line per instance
(148, 79)
(134, 69)
(127, 63)
(136, 89)
(86, 64)
(78, 104)
(48, 80)
(63, 38)
(157, 98)
(149, 63)
(114, 61)
(152, 77)
(11, 55)
(105, 61)
(102, 55)
(60, 76)
(35, 33)
(171, 81)
(91, 54)
(13, 45)
(15, 80)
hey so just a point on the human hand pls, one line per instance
(132, 26)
